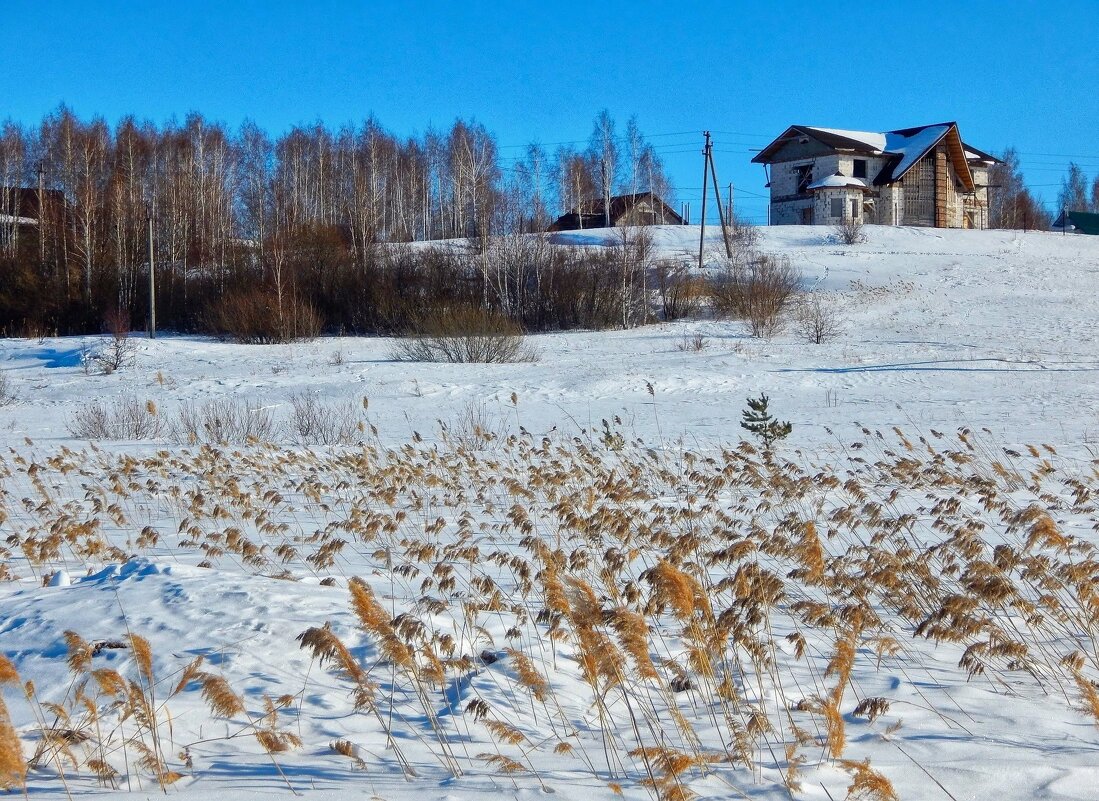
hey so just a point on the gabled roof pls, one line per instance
(1083, 222)
(591, 214)
(973, 154)
(903, 147)
(22, 201)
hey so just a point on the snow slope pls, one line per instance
(943, 329)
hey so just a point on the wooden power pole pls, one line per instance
(705, 181)
(717, 199)
(41, 216)
(709, 173)
(152, 279)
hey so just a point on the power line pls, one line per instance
(619, 139)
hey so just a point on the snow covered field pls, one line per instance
(944, 329)
(506, 534)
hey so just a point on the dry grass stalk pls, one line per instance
(867, 784)
(1089, 694)
(663, 546)
(326, 646)
(375, 620)
(219, 696)
(143, 655)
(529, 676)
(79, 652)
(8, 673)
(504, 764)
(13, 764)
(350, 750)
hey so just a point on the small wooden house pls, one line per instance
(1079, 222)
(913, 176)
(20, 215)
(643, 208)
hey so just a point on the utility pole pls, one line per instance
(606, 193)
(152, 277)
(41, 216)
(705, 180)
(717, 196)
(729, 208)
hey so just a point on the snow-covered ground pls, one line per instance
(990, 331)
(942, 329)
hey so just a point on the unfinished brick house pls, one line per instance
(913, 176)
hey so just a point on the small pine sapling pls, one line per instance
(758, 420)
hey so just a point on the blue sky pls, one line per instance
(1011, 73)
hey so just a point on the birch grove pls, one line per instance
(234, 209)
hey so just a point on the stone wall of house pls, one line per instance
(883, 205)
(888, 203)
(787, 205)
(974, 212)
(790, 212)
(784, 178)
(850, 204)
(846, 165)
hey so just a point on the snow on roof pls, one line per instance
(874, 141)
(837, 181)
(8, 219)
(983, 157)
(911, 148)
(909, 145)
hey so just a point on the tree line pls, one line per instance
(240, 211)
(1075, 194)
(323, 228)
(1013, 205)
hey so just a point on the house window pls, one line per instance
(859, 170)
(854, 208)
(837, 207)
(804, 175)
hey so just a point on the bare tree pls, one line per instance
(1011, 205)
(1074, 190)
(603, 149)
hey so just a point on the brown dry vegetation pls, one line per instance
(714, 606)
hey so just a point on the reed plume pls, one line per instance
(528, 675)
(219, 696)
(13, 764)
(867, 784)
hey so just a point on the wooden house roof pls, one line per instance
(592, 215)
(21, 201)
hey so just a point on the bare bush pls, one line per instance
(224, 422)
(744, 234)
(757, 289)
(124, 419)
(315, 423)
(680, 293)
(115, 353)
(254, 316)
(473, 428)
(465, 334)
(850, 232)
(816, 319)
(7, 390)
(692, 342)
